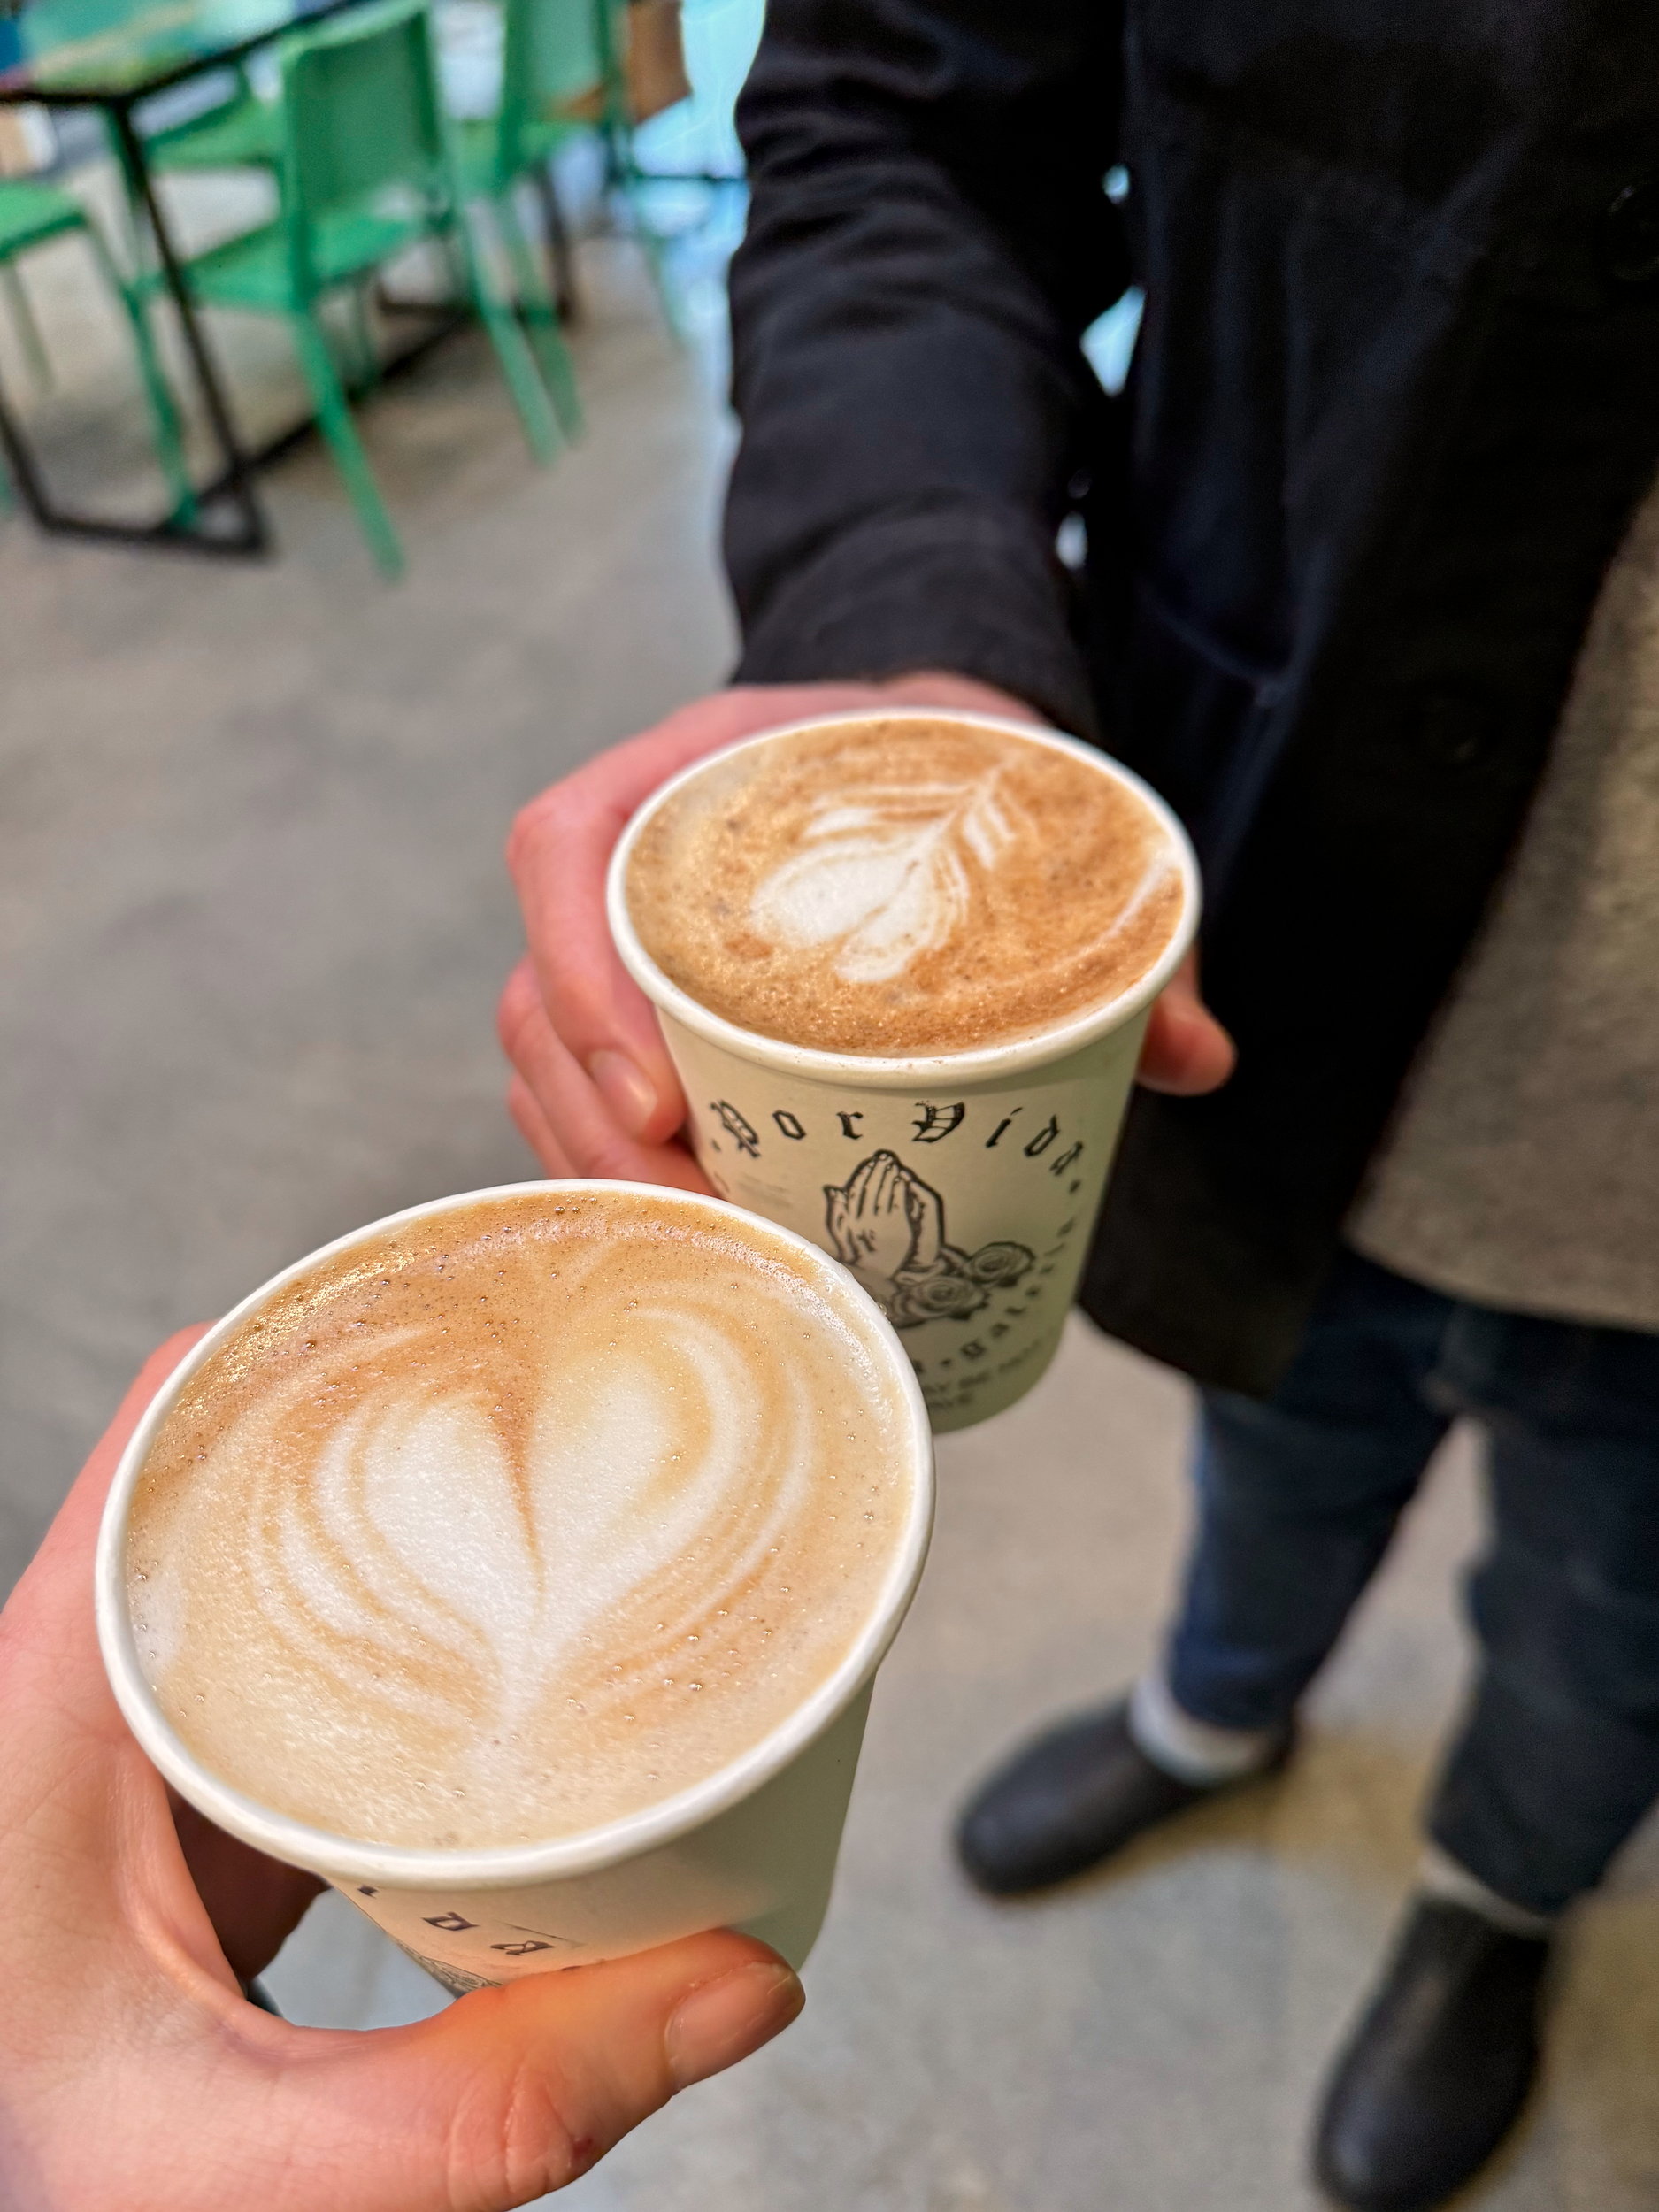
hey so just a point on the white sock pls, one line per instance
(1439, 1875)
(1194, 1751)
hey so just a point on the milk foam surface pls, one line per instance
(903, 886)
(517, 1520)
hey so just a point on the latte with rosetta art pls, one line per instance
(517, 1518)
(903, 886)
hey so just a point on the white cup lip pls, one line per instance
(900, 1071)
(589, 1850)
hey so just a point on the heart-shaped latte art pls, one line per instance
(428, 1564)
(500, 1559)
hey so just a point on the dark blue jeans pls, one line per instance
(1558, 1755)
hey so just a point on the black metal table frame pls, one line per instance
(232, 487)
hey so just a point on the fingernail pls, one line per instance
(724, 2021)
(626, 1088)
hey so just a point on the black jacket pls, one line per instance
(1396, 397)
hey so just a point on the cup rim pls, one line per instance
(898, 1071)
(589, 1850)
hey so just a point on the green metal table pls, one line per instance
(113, 55)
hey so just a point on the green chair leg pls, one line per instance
(365, 355)
(622, 175)
(656, 256)
(561, 251)
(166, 427)
(541, 317)
(334, 416)
(517, 365)
(136, 239)
(29, 330)
(346, 337)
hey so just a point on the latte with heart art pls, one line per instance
(517, 1517)
(904, 885)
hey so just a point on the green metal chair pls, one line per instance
(562, 77)
(366, 174)
(35, 215)
(243, 132)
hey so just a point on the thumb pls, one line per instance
(511, 2093)
(1186, 1051)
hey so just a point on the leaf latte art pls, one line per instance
(540, 1514)
(882, 877)
(903, 886)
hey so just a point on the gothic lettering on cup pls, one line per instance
(742, 1134)
(1043, 1139)
(365, 1890)
(521, 1950)
(850, 1122)
(788, 1124)
(1006, 1123)
(451, 1921)
(934, 1123)
(1060, 1165)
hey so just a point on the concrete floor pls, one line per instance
(252, 923)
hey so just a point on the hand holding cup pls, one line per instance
(593, 1091)
(135, 2071)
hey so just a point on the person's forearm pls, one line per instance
(906, 364)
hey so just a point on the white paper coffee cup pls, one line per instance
(1008, 1145)
(752, 1846)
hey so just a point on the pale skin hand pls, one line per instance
(592, 1090)
(132, 2071)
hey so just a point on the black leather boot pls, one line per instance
(1437, 2071)
(1069, 1800)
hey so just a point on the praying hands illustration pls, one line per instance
(888, 1228)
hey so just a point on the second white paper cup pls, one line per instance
(752, 1846)
(1000, 1154)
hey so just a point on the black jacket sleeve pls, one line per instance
(928, 237)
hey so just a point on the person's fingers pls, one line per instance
(52, 1600)
(560, 848)
(938, 687)
(534, 1127)
(85, 1501)
(558, 851)
(254, 1902)
(576, 1117)
(514, 2091)
(1186, 1050)
(78, 1797)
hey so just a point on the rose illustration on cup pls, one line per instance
(887, 1226)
